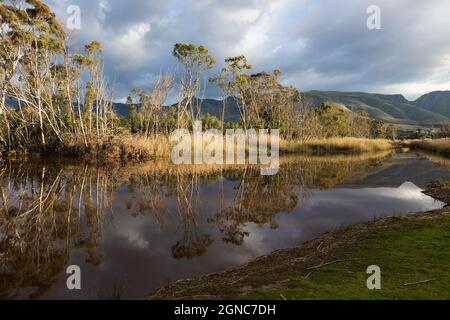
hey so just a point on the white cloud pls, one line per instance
(129, 48)
(321, 44)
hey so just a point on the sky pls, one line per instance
(318, 44)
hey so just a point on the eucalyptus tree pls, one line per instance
(40, 73)
(92, 95)
(30, 33)
(262, 101)
(233, 81)
(151, 105)
(195, 61)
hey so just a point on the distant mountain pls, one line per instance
(122, 109)
(437, 102)
(431, 109)
(214, 107)
(388, 108)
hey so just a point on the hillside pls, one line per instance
(430, 109)
(388, 108)
(437, 102)
(211, 106)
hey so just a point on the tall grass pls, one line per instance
(141, 148)
(336, 145)
(441, 146)
(125, 147)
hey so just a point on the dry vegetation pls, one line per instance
(53, 100)
(441, 146)
(336, 145)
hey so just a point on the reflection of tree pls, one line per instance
(150, 191)
(193, 243)
(44, 213)
(259, 198)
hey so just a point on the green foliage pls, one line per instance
(135, 120)
(211, 122)
(39, 73)
(377, 129)
(391, 132)
(337, 121)
(190, 54)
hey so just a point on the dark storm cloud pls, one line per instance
(320, 44)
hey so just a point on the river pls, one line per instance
(134, 228)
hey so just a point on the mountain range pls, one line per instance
(430, 109)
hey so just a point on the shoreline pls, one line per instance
(316, 269)
(437, 146)
(138, 149)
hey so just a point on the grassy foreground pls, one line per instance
(412, 252)
(440, 146)
(336, 145)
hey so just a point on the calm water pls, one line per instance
(133, 229)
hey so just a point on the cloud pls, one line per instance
(320, 44)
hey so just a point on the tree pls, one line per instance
(444, 131)
(195, 60)
(377, 129)
(133, 117)
(392, 132)
(30, 33)
(38, 72)
(271, 105)
(262, 101)
(211, 122)
(233, 81)
(152, 102)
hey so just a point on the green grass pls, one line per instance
(407, 253)
(408, 249)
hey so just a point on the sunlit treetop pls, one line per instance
(190, 54)
(30, 21)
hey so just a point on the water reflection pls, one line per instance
(155, 223)
(45, 212)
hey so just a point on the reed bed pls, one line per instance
(441, 146)
(336, 146)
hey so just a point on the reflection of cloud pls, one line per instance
(138, 249)
(330, 209)
(132, 232)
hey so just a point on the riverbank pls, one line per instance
(439, 146)
(336, 146)
(412, 252)
(113, 148)
(127, 147)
